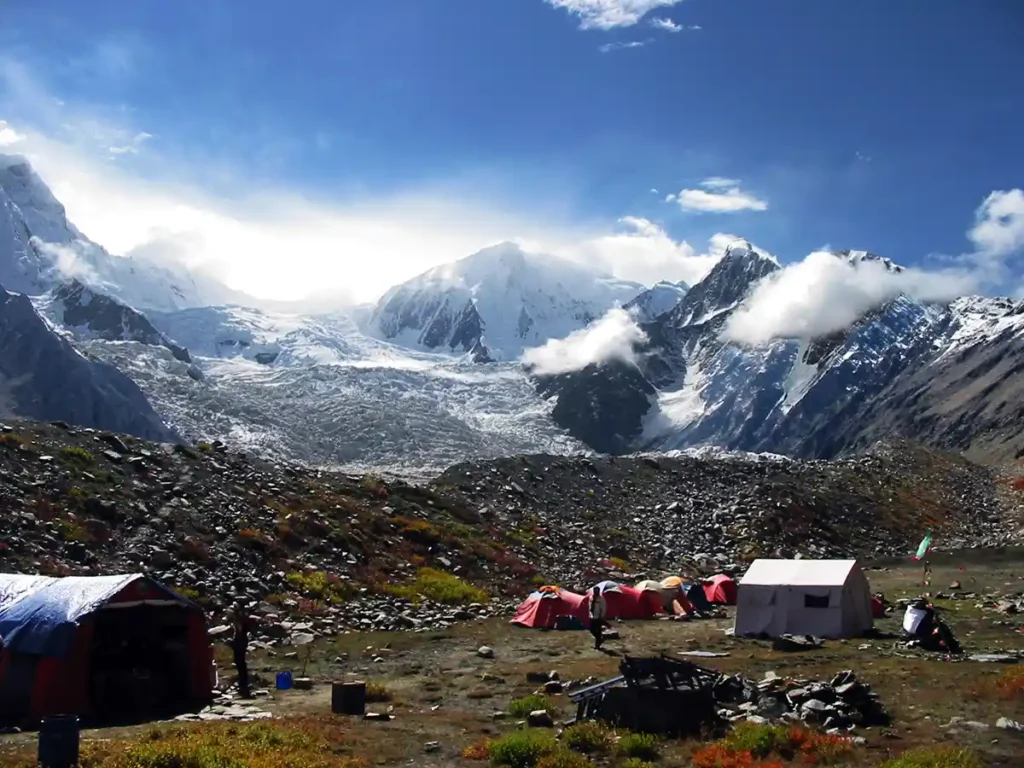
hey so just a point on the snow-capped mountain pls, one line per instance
(657, 300)
(799, 398)
(432, 375)
(496, 303)
(40, 248)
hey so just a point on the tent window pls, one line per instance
(813, 601)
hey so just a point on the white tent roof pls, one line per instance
(807, 573)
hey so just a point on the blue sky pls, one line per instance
(874, 124)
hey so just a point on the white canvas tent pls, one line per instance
(824, 598)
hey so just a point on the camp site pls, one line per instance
(802, 643)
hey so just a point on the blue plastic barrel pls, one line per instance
(58, 741)
(284, 681)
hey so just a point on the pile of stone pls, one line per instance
(838, 706)
(227, 707)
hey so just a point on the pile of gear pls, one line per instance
(924, 628)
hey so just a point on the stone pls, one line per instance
(485, 652)
(1007, 724)
(540, 718)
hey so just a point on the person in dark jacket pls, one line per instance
(239, 646)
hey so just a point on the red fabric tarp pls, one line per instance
(721, 590)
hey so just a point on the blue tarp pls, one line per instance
(39, 614)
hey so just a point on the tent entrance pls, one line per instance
(139, 666)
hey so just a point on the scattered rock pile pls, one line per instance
(840, 705)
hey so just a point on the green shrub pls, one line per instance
(758, 740)
(636, 762)
(563, 758)
(644, 746)
(524, 706)
(76, 455)
(320, 585)
(440, 587)
(522, 749)
(589, 737)
(935, 757)
(11, 440)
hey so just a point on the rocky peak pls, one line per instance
(80, 308)
(725, 286)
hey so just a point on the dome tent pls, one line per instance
(542, 608)
(626, 602)
(721, 589)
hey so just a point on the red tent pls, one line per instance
(721, 590)
(542, 608)
(627, 602)
(74, 645)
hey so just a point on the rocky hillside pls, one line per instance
(337, 551)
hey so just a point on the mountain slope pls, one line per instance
(894, 370)
(496, 303)
(43, 377)
(40, 248)
(88, 313)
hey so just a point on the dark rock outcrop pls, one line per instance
(42, 376)
(81, 307)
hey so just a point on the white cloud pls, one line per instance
(667, 25)
(645, 252)
(825, 293)
(718, 195)
(133, 146)
(609, 47)
(8, 135)
(613, 337)
(609, 14)
(998, 229)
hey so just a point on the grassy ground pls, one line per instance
(440, 690)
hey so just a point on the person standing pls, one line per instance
(598, 612)
(239, 647)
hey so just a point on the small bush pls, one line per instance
(749, 742)
(76, 455)
(522, 749)
(524, 706)
(479, 751)
(11, 440)
(563, 758)
(644, 746)
(636, 762)
(440, 587)
(588, 737)
(377, 692)
(935, 757)
(320, 585)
